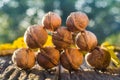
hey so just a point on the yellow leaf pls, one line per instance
(19, 43)
(49, 41)
(5, 46)
(110, 49)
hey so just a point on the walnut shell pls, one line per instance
(48, 57)
(71, 59)
(51, 21)
(35, 36)
(86, 40)
(98, 58)
(62, 38)
(77, 21)
(24, 58)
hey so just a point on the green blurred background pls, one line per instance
(17, 15)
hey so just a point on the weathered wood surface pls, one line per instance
(9, 71)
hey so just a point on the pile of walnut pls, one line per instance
(71, 58)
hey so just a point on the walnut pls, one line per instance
(48, 57)
(51, 21)
(98, 58)
(71, 59)
(77, 21)
(86, 40)
(62, 38)
(24, 58)
(35, 36)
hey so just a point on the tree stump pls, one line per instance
(9, 71)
